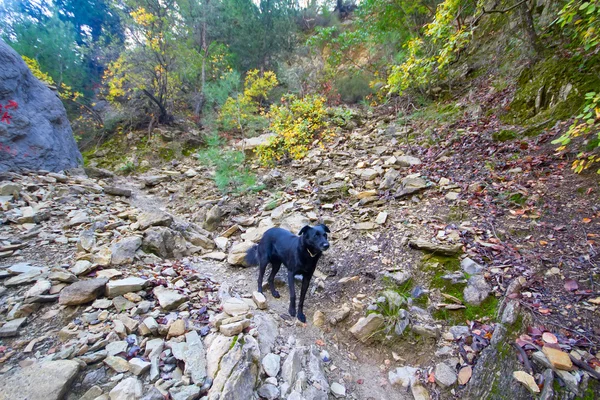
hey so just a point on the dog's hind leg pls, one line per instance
(291, 283)
(261, 273)
(274, 271)
(303, 290)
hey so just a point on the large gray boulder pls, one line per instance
(34, 131)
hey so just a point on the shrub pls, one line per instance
(231, 175)
(587, 124)
(243, 113)
(297, 123)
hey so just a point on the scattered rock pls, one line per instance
(338, 390)
(123, 252)
(558, 358)
(271, 364)
(260, 300)
(234, 306)
(477, 290)
(128, 389)
(444, 375)
(49, 381)
(122, 286)
(367, 326)
(403, 376)
(11, 328)
(526, 380)
(168, 299)
(443, 249)
(82, 292)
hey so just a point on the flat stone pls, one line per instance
(470, 266)
(407, 161)
(102, 303)
(92, 393)
(137, 366)
(237, 253)
(118, 364)
(177, 328)
(146, 220)
(477, 290)
(41, 287)
(114, 348)
(11, 328)
(108, 273)
(217, 349)
(364, 329)
(291, 366)
(190, 392)
(271, 364)
(444, 375)
(128, 389)
(443, 249)
(62, 276)
(168, 299)
(48, 381)
(122, 286)
(82, 267)
(82, 292)
(195, 358)
(234, 306)
(123, 252)
(365, 226)
(338, 390)
(260, 300)
(234, 328)
(558, 358)
(23, 278)
(527, 380)
(268, 391)
(403, 376)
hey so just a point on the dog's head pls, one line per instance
(316, 236)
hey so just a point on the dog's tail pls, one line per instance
(252, 255)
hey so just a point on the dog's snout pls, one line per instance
(325, 246)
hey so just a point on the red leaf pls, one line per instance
(571, 285)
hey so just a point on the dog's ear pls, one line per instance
(303, 230)
(325, 228)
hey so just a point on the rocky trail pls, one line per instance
(438, 283)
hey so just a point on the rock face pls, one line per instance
(48, 381)
(34, 131)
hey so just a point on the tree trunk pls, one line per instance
(531, 41)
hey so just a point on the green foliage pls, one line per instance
(354, 87)
(428, 57)
(231, 174)
(581, 20)
(586, 124)
(297, 124)
(217, 92)
(243, 113)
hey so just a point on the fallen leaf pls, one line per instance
(543, 243)
(544, 311)
(571, 285)
(549, 337)
(464, 375)
(319, 342)
(586, 220)
(431, 378)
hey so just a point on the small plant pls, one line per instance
(127, 168)
(231, 175)
(341, 116)
(297, 124)
(586, 124)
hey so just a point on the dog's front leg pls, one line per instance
(292, 309)
(303, 290)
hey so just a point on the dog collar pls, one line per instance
(311, 254)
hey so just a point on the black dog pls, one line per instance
(299, 254)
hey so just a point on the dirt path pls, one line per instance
(363, 369)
